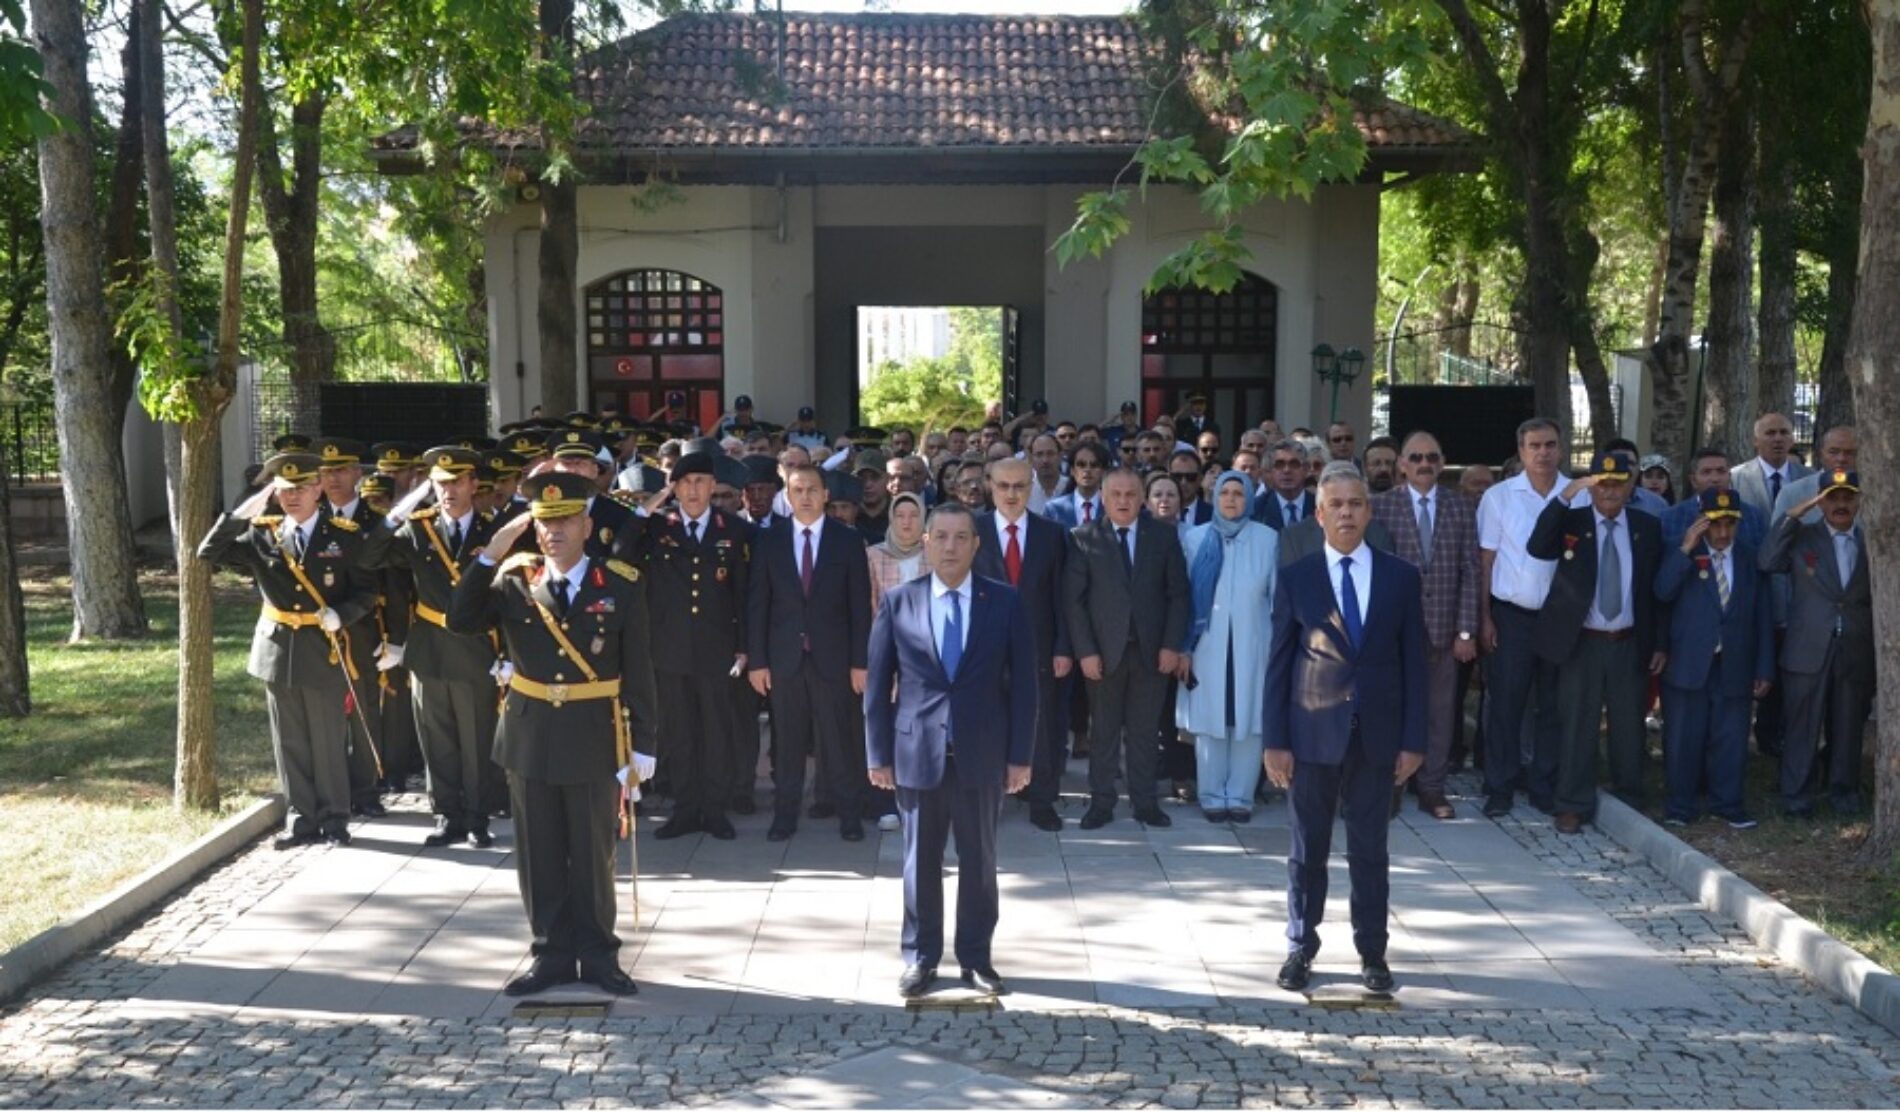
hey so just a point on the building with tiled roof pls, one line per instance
(827, 162)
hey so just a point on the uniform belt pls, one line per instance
(558, 693)
(431, 615)
(294, 621)
(1623, 634)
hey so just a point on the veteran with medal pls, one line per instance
(582, 689)
(309, 572)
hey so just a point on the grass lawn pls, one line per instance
(86, 780)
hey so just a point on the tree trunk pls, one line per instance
(1776, 366)
(1466, 313)
(1583, 251)
(161, 212)
(1728, 407)
(16, 700)
(1872, 363)
(290, 211)
(1835, 405)
(560, 244)
(196, 779)
(123, 261)
(1652, 298)
(106, 600)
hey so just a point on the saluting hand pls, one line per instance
(254, 505)
(1693, 537)
(503, 542)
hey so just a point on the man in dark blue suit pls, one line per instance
(1344, 721)
(959, 731)
(1721, 657)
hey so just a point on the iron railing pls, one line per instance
(30, 440)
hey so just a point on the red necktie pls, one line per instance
(804, 565)
(1013, 558)
(1088, 510)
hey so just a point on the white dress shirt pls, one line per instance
(1619, 536)
(1281, 507)
(817, 529)
(940, 593)
(704, 521)
(299, 536)
(1506, 515)
(1361, 577)
(1002, 534)
(576, 576)
(1039, 499)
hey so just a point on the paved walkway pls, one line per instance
(1533, 971)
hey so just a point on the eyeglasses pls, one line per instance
(1423, 457)
(1185, 476)
(1287, 464)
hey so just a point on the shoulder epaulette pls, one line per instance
(423, 514)
(270, 521)
(624, 570)
(487, 516)
(520, 560)
(345, 524)
(626, 498)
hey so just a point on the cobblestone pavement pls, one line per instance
(176, 1012)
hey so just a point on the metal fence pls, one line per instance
(30, 442)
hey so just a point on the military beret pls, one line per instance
(694, 463)
(762, 469)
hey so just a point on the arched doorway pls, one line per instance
(651, 332)
(1219, 343)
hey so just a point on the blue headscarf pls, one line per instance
(1204, 575)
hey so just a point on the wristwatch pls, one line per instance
(1464, 635)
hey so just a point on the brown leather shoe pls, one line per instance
(1436, 805)
(1569, 822)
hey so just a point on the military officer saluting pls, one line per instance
(695, 559)
(395, 720)
(450, 673)
(576, 451)
(576, 630)
(308, 568)
(339, 471)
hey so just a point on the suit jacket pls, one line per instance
(1045, 556)
(332, 562)
(1101, 595)
(1317, 683)
(1451, 577)
(1747, 481)
(1305, 537)
(836, 619)
(1570, 537)
(696, 592)
(574, 743)
(1266, 509)
(433, 651)
(1698, 622)
(1066, 510)
(1819, 600)
(1199, 512)
(986, 712)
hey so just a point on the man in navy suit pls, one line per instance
(1344, 720)
(808, 616)
(1285, 501)
(1027, 552)
(960, 731)
(1088, 465)
(1721, 657)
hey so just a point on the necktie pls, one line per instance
(560, 594)
(1292, 511)
(1721, 578)
(1128, 561)
(1425, 528)
(1844, 555)
(297, 542)
(951, 651)
(455, 538)
(1774, 486)
(692, 531)
(1088, 510)
(1610, 576)
(804, 565)
(1013, 558)
(1349, 603)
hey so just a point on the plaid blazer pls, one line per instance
(1451, 577)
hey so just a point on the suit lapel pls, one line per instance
(926, 622)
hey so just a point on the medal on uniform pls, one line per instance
(598, 645)
(606, 535)
(721, 574)
(329, 578)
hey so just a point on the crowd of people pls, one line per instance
(727, 581)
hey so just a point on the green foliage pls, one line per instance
(936, 393)
(21, 81)
(170, 365)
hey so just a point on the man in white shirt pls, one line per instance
(1761, 480)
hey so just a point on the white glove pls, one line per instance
(331, 623)
(254, 505)
(388, 656)
(503, 671)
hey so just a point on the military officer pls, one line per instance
(340, 469)
(399, 461)
(309, 572)
(576, 452)
(395, 720)
(506, 465)
(451, 674)
(576, 629)
(695, 560)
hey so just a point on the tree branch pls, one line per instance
(1483, 63)
(197, 42)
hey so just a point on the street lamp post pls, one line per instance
(1338, 368)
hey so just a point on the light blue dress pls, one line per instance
(1227, 757)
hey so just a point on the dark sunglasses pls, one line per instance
(1287, 464)
(1424, 457)
(1347, 439)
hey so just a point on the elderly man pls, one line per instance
(1286, 500)
(1437, 531)
(1344, 721)
(1761, 480)
(1840, 451)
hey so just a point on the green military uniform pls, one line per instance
(582, 689)
(395, 718)
(366, 744)
(303, 571)
(451, 674)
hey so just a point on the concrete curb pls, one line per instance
(1827, 961)
(33, 959)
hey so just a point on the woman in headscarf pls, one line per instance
(899, 557)
(1232, 565)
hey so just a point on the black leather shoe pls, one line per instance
(1376, 976)
(372, 809)
(743, 805)
(610, 979)
(779, 832)
(1296, 973)
(294, 840)
(1497, 806)
(1546, 804)
(338, 837)
(1153, 816)
(446, 834)
(480, 838)
(916, 980)
(1045, 818)
(719, 827)
(822, 811)
(1214, 815)
(540, 977)
(677, 827)
(851, 830)
(984, 978)
(1097, 817)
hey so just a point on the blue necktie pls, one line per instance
(1349, 603)
(951, 651)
